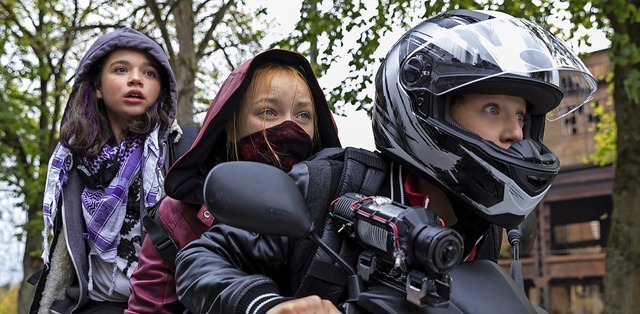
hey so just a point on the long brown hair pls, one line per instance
(85, 128)
(264, 74)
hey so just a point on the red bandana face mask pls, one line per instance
(289, 141)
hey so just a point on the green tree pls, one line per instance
(605, 137)
(41, 41)
(622, 278)
(37, 42)
(619, 142)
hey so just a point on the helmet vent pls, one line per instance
(537, 181)
(412, 70)
(416, 70)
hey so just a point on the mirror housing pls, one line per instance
(257, 197)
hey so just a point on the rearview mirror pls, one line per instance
(257, 197)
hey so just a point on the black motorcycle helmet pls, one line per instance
(477, 52)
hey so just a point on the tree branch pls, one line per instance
(162, 25)
(202, 46)
(226, 55)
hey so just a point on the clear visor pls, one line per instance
(470, 53)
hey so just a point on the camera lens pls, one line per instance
(438, 249)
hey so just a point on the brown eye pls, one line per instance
(150, 73)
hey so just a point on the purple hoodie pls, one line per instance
(127, 38)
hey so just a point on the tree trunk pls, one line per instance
(185, 67)
(622, 276)
(30, 262)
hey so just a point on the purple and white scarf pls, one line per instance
(104, 209)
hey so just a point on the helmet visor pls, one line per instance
(502, 47)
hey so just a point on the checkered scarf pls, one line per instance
(104, 208)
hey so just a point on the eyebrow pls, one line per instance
(277, 101)
(127, 62)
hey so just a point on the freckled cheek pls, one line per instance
(244, 128)
(253, 129)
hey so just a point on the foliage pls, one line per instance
(41, 43)
(322, 29)
(622, 277)
(8, 298)
(605, 137)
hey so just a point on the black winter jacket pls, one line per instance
(251, 273)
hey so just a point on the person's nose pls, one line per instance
(511, 133)
(135, 78)
(288, 117)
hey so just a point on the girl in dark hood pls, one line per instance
(105, 169)
(271, 110)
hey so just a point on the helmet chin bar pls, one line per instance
(530, 151)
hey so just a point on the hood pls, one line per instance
(127, 38)
(185, 179)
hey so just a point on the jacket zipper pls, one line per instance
(73, 260)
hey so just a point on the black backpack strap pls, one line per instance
(489, 247)
(323, 279)
(179, 142)
(363, 172)
(156, 231)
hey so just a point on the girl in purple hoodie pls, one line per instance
(271, 110)
(106, 169)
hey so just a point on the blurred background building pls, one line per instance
(564, 270)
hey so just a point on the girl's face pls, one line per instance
(129, 83)
(496, 118)
(273, 101)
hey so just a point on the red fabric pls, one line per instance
(412, 189)
(289, 141)
(416, 198)
(153, 286)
